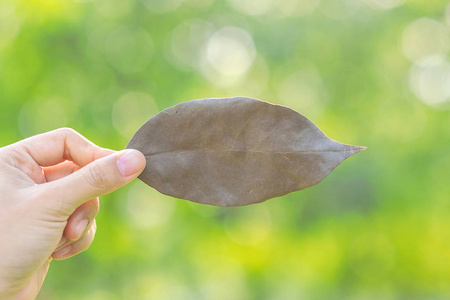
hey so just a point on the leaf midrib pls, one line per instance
(356, 149)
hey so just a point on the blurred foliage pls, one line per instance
(367, 72)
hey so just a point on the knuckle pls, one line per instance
(95, 206)
(87, 240)
(66, 131)
(84, 247)
(96, 177)
(72, 169)
(93, 211)
(90, 234)
(8, 155)
(12, 154)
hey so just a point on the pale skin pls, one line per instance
(49, 189)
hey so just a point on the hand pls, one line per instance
(49, 188)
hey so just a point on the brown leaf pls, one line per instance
(234, 151)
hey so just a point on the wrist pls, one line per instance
(15, 296)
(9, 291)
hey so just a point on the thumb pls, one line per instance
(100, 177)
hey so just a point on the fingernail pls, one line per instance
(63, 252)
(81, 227)
(130, 163)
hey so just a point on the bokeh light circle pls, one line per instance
(227, 56)
(425, 37)
(230, 51)
(186, 43)
(429, 79)
(7, 7)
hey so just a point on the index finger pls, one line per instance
(62, 144)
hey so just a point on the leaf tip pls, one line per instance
(357, 149)
(352, 149)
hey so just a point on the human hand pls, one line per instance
(49, 188)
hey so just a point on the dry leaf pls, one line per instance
(234, 151)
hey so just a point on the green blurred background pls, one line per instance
(367, 72)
